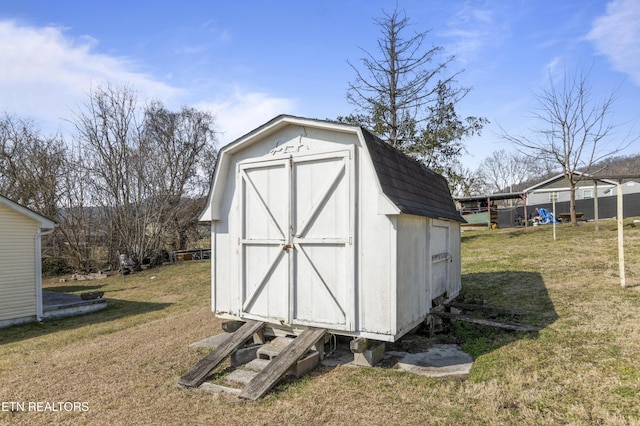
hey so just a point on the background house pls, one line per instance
(543, 193)
(506, 210)
(21, 262)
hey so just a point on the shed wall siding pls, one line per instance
(413, 269)
(376, 243)
(17, 265)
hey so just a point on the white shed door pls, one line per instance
(296, 244)
(441, 258)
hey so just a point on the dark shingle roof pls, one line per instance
(414, 188)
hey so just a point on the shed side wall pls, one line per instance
(377, 258)
(413, 271)
(17, 265)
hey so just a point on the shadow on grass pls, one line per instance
(515, 290)
(116, 309)
(74, 288)
(466, 237)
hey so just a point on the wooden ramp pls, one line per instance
(489, 322)
(273, 372)
(490, 310)
(197, 375)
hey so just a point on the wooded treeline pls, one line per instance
(131, 181)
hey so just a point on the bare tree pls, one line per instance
(80, 233)
(574, 130)
(505, 171)
(31, 165)
(464, 183)
(144, 164)
(181, 151)
(109, 131)
(31, 170)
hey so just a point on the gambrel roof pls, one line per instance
(411, 186)
(407, 184)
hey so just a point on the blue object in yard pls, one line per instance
(546, 216)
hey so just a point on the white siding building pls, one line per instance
(557, 187)
(20, 263)
(321, 224)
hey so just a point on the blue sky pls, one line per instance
(248, 61)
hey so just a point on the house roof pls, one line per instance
(583, 177)
(406, 183)
(44, 223)
(493, 197)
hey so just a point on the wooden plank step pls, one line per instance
(488, 309)
(277, 368)
(194, 377)
(483, 321)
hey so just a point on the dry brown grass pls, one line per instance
(582, 368)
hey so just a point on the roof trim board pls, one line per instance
(44, 223)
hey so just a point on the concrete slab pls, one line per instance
(210, 342)
(214, 388)
(57, 305)
(438, 361)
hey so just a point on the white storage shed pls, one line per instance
(322, 224)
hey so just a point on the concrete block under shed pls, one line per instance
(241, 376)
(306, 364)
(232, 326)
(257, 364)
(273, 348)
(371, 356)
(244, 355)
(210, 342)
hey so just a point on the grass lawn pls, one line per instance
(583, 367)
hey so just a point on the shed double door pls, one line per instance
(296, 244)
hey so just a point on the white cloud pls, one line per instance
(616, 35)
(46, 74)
(473, 27)
(240, 112)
